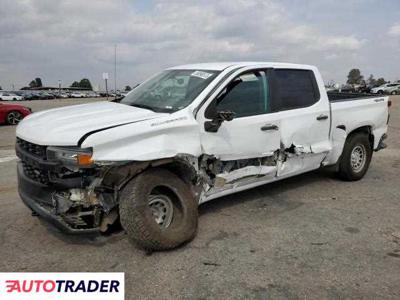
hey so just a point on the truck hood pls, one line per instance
(67, 125)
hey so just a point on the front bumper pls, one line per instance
(39, 198)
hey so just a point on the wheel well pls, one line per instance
(366, 130)
(182, 169)
(121, 175)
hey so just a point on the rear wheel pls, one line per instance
(14, 117)
(356, 157)
(158, 210)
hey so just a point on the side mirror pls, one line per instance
(215, 123)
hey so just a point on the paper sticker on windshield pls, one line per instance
(201, 74)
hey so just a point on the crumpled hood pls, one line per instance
(67, 125)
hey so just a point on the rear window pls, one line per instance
(295, 89)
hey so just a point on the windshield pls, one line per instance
(170, 90)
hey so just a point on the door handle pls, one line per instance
(322, 117)
(269, 127)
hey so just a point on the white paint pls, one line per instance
(65, 126)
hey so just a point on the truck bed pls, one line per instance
(353, 113)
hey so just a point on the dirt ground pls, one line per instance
(311, 236)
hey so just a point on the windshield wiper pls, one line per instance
(144, 106)
(152, 108)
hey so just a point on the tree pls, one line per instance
(37, 82)
(380, 81)
(371, 80)
(32, 84)
(75, 84)
(85, 83)
(355, 77)
(128, 88)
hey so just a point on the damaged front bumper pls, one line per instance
(40, 199)
(75, 201)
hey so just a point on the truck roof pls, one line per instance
(219, 66)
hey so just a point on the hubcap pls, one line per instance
(14, 118)
(358, 158)
(162, 209)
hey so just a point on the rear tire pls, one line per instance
(158, 210)
(356, 157)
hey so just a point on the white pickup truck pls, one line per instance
(185, 136)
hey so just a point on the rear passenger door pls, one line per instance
(304, 116)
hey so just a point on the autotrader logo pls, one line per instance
(62, 285)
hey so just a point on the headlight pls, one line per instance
(71, 156)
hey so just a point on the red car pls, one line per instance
(13, 113)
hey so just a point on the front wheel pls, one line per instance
(14, 117)
(158, 210)
(356, 157)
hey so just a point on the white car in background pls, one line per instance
(64, 95)
(92, 95)
(10, 97)
(387, 88)
(77, 95)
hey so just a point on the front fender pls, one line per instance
(147, 140)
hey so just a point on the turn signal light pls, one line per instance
(84, 159)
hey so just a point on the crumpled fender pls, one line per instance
(163, 137)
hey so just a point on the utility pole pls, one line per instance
(115, 71)
(59, 88)
(105, 77)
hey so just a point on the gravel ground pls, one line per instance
(311, 236)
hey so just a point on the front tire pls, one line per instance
(158, 210)
(356, 157)
(14, 117)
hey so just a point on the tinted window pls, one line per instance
(295, 89)
(246, 95)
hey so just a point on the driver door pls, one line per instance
(251, 134)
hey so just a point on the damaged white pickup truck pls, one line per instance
(185, 136)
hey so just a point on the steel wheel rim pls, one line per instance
(14, 118)
(358, 158)
(162, 210)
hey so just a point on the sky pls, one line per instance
(74, 39)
